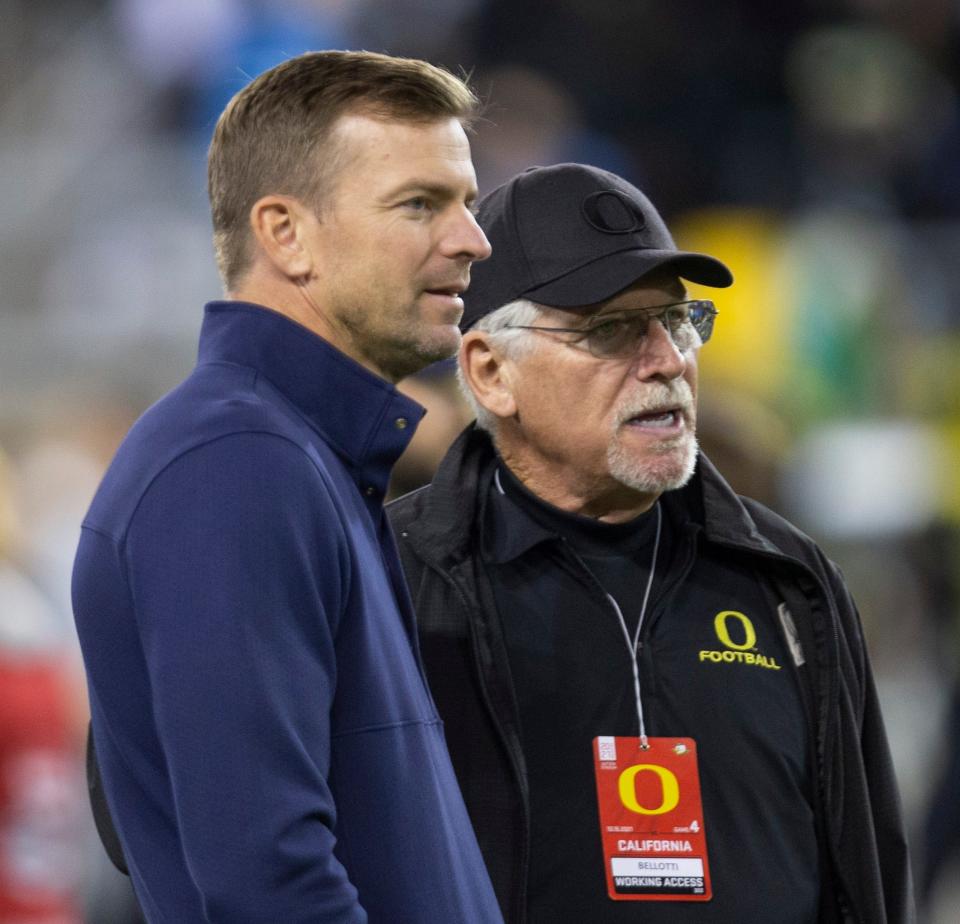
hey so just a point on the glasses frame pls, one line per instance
(703, 327)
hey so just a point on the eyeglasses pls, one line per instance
(621, 334)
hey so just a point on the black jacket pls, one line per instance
(438, 529)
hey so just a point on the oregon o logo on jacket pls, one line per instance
(721, 625)
(737, 652)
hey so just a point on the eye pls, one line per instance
(608, 333)
(417, 204)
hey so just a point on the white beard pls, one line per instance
(672, 467)
(672, 462)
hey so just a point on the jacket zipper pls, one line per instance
(520, 910)
(846, 911)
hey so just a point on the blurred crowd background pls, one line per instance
(813, 146)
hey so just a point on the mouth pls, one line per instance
(668, 419)
(450, 294)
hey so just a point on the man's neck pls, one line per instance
(296, 303)
(285, 301)
(603, 499)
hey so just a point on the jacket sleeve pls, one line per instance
(884, 801)
(238, 569)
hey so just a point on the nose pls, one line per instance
(659, 357)
(463, 237)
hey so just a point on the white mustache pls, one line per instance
(659, 396)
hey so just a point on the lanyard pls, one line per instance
(632, 645)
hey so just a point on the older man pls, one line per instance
(657, 695)
(269, 748)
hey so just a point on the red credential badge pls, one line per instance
(651, 820)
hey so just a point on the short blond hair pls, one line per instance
(275, 135)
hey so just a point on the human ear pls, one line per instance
(488, 374)
(279, 225)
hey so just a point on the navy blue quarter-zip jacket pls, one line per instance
(268, 746)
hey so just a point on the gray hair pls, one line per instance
(500, 327)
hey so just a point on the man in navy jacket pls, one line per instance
(268, 747)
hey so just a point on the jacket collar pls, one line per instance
(455, 500)
(455, 503)
(361, 416)
(726, 520)
(508, 531)
(517, 521)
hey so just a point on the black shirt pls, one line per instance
(551, 573)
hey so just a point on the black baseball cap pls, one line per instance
(569, 236)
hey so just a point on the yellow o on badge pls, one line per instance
(720, 625)
(668, 784)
